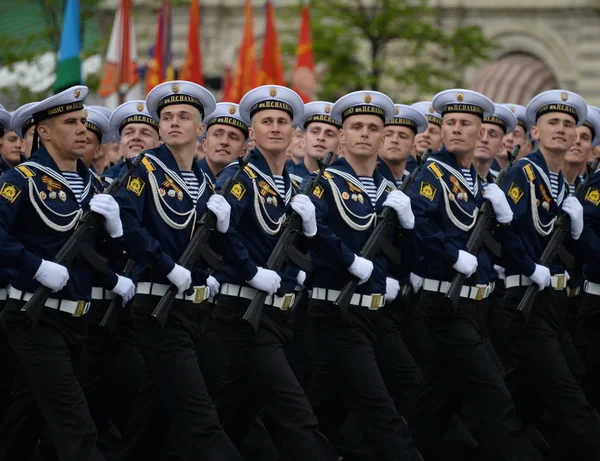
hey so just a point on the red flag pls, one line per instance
(160, 69)
(271, 69)
(192, 69)
(120, 67)
(303, 79)
(226, 84)
(246, 73)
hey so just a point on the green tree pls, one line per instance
(363, 43)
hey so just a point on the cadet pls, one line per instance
(520, 136)
(537, 191)
(446, 197)
(164, 198)
(321, 135)
(259, 373)
(4, 120)
(134, 127)
(42, 201)
(98, 133)
(24, 128)
(348, 199)
(11, 150)
(489, 146)
(431, 138)
(5, 130)
(398, 141)
(225, 139)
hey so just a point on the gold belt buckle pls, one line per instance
(375, 302)
(481, 290)
(288, 300)
(80, 309)
(200, 294)
(560, 281)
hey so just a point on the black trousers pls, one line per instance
(462, 347)
(176, 391)
(348, 371)
(537, 346)
(8, 370)
(50, 393)
(259, 376)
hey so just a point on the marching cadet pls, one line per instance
(98, 133)
(258, 373)
(576, 158)
(537, 192)
(224, 141)
(520, 136)
(109, 149)
(42, 201)
(4, 121)
(24, 128)
(164, 197)
(494, 129)
(398, 140)
(431, 138)
(445, 198)
(348, 199)
(321, 135)
(4, 131)
(295, 151)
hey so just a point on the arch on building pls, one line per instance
(514, 78)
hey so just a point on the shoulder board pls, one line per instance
(148, 164)
(528, 169)
(435, 170)
(25, 171)
(249, 172)
(327, 175)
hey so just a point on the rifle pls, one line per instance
(561, 229)
(480, 231)
(78, 243)
(198, 247)
(114, 308)
(378, 240)
(285, 248)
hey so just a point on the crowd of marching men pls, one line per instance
(183, 279)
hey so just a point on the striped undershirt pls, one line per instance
(280, 183)
(369, 184)
(76, 183)
(398, 183)
(554, 184)
(572, 189)
(192, 183)
(467, 174)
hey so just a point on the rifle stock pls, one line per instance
(280, 253)
(561, 230)
(388, 220)
(74, 245)
(114, 308)
(477, 237)
(204, 229)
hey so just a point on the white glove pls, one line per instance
(361, 268)
(108, 207)
(541, 277)
(52, 275)
(416, 282)
(213, 285)
(500, 271)
(498, 200)
(465, 264)
(180, 277)
(573, 208)
(125, 288)
(400, 202)
(301, 278)
(302, 205)
(222, 210)
(392, 288)
(266, 280)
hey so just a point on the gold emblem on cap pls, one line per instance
(273, 92)
(397, 110)
(512, 108)
(175, 88)
(460, 97)
(140, 106)
(85, 113)
(431, 110)
(367, 98)
(77, 93)
(327, 108)
(232, 110)
(564, 96)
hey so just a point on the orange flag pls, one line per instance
(246, 73)
(192, 69)
(120, 67)
(271, 69)
(303, 78)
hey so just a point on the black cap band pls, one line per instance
(234, 122)
(138, 119)
(57, 110)
(591, 127)
(94, 129)
(180, 99)
(403, 121)
(463, 108)
(522, 123)
(323, 118)
(434, 119)
(495, 120)
(555, 107)
(363, 109)
(271, 104)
